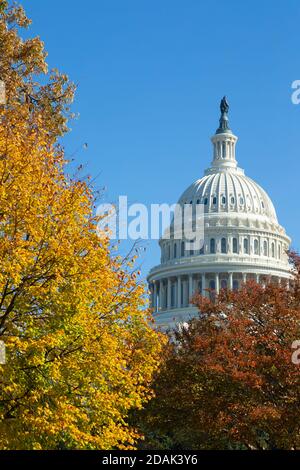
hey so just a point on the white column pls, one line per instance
(244, 278)
(190, 288)
(155, 297)
(215, 151)
(179, 292)
(257, 278)
(151, 289)
(217, 281)
(169, 294)
(230, 280)
(160, 306)
(183, 292)
(203, 284)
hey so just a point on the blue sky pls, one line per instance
(150, 76)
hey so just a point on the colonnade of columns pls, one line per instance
(224, 148)
(177, 291)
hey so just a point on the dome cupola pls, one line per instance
(224, 141)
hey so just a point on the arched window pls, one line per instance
(273, 249)
(265, 248)
(182, 248)
(246, 246)
(234, 245)
(214, 201)
(279, 251)
(212, 245)
(235, 284)
(169, 251)
(205, 201)
(256, 247)
(223, 245)
(223, 200)
(232, 200)
(223, 284)
(175, 250)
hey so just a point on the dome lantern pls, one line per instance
(224, 142)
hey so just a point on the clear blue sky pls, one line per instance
(150, 76)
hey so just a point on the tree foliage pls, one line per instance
(80, 351)
(229, 380)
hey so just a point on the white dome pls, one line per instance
(242, 239)
(230, 191)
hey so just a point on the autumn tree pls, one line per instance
(80, 350)
(229, 380)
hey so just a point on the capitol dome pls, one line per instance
(230, 191)
(242, 238)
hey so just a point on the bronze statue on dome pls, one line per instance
(224, 106)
